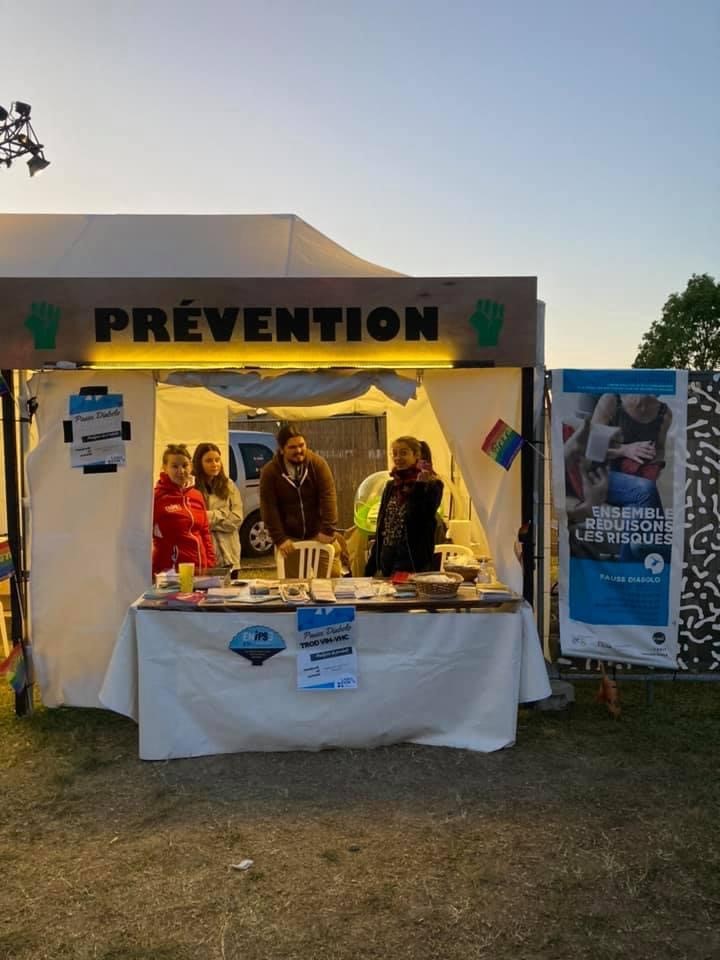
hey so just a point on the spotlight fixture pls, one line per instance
(37, 164)
(17, 138)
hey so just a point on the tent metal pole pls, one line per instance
(23, 700)
(539, 499)
(527, 469)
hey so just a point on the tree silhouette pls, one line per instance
(687, 336)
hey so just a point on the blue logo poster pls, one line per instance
(618, 486)
(257, 644)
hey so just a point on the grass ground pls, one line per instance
(591, 838)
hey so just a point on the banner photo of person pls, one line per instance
(618, 459)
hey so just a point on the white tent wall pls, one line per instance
(90, 554)
(467, 403)
(191, 416)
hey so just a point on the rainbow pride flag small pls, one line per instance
(6, 562)
(13, 668)
(502, 444)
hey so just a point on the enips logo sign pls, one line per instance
(257, 644)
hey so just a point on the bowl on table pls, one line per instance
(467, 570)
(437, 586)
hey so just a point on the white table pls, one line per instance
(445, 679)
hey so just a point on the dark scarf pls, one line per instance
(403, 482)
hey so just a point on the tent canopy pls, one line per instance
(150, 245)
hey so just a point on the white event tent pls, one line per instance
(90, 533)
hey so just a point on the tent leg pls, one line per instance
(527, 467)
(539, 512)
(23, 699)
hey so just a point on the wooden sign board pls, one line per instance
(227, 322)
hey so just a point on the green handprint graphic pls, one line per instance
(487, 320)
(42, 322)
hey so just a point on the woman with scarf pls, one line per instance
(406, 525)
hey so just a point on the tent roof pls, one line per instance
(149, 245)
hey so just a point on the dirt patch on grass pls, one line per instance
(589, 839)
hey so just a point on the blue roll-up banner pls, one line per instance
(618, 453)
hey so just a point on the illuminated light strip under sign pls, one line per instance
(269, 365)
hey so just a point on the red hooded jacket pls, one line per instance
(180, 527)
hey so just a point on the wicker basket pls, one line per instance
(428, 589)
(467, 571)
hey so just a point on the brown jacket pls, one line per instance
(298, 510)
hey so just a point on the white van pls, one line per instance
(248, 453)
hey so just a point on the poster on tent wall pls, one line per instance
(618, 444)
(96, 429)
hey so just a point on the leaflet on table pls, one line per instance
(96, 421)
(353, 588)
(231, 596)
(170, 600)
(322, 590)
(327, 658)
(495, 591)
(170, 579)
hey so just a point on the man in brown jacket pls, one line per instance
(297, 494)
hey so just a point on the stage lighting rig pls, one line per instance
(18, 139)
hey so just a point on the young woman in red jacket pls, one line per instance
(180, 523)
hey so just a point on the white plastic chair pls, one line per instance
(449, 551)
(310, 554)
(458, 532)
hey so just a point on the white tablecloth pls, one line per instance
(446, 679)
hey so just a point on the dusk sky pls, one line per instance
(574, 141)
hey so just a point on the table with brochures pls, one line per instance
(446, 672)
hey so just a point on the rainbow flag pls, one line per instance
(502, 444)
(13, 667)
(6, 562)
(7, 569)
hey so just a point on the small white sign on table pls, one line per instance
(327, 658)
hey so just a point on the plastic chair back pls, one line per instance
(314, 559)
(449, 551)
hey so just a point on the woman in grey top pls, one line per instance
(223, 503)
